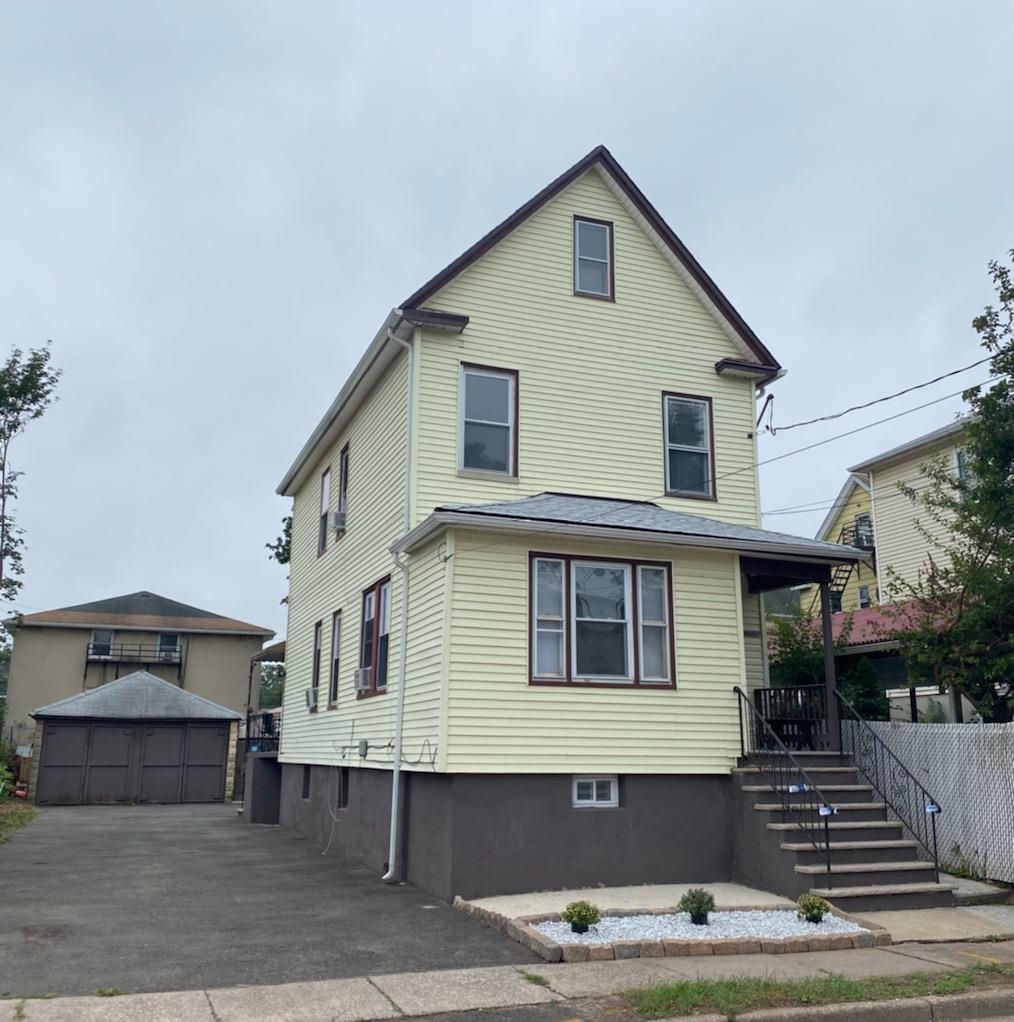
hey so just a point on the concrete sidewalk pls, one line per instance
(399, 995)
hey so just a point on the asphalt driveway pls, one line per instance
(148, 898)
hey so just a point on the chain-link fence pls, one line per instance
(969, 770)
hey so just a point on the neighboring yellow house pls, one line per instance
(526, 560)
(61, 653)
(849, 520)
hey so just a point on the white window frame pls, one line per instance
(859, 598)
(343, 480)
(325, 506)
(537, 616)
(670, 489)
(169, 653)
(109, 645)
(628, 620)
(511, 423)
(613, 802)
(662, 625)
(607, 262)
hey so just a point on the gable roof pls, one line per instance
(137, 696)
(844, 496)
(926, 440)
(142, 610)
(601, 158)
(569, 514)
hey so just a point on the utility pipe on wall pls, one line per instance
(391, 876)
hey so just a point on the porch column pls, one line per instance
(830, 681)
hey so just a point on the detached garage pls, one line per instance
(138, 739)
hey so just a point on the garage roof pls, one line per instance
(137, 696)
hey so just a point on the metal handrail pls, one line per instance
(142, 652)
(905, 796)
(785, 769)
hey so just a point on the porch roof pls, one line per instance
(643, 521)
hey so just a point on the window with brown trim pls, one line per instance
(343, 487)
(336, 642)
(689, 446)
(375, 635)
(600, 621)
(593, 257)
(325, 505)
(315, 677)
(488, 420)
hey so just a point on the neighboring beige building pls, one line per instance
(60, 653)
(899, 544)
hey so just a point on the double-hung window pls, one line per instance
(102, 642)
(315, 680)
(336, 643)
(325, 506)
(689, 453)
(593, 258)
(169, 647)
(600, 622)
(488, 428)
(375, 635)
(343, 486)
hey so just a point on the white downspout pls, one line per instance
(391, 876)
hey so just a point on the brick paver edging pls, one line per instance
(524, 932)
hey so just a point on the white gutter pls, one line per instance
(839, 554)
(391, 876)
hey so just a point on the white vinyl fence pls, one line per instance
(969, 770)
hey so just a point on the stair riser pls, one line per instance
(782, 815)
(852, 856)
(893, 902)
(844, 775)
(878, 877)
(836, 797)
(852, 834)
(821, 759)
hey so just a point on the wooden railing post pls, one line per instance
(830, 680)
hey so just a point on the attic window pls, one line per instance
(593, 258)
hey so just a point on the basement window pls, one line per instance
(598, 792)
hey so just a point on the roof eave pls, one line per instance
(927, 440)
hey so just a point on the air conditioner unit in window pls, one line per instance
(336, 522)
(364, 675)
(311, 699)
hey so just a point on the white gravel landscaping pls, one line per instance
(677, 925)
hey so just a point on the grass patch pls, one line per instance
(731, 997)
(13, 815)
(109, 992)
(534, 977)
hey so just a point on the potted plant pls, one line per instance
(811, 907)
(698, 903)
(580, 915)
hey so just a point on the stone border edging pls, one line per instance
(522, 929)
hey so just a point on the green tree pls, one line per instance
(272, 686)
(27, 388)
(957, 624)
(281, 549)
(797, 656)
(861, 687)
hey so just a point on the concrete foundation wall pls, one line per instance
(481, 835)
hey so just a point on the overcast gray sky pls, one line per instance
(211, 206)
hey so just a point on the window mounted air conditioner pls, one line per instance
(364, 675)
(311, 699)
(336, 522)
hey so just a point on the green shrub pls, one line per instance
(698, 903)
(581, 913)
(811, 907)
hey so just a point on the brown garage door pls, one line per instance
(107, 761)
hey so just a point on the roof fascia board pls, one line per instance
(116, 627)
(844, 495)
(927, 440)
(441, 519)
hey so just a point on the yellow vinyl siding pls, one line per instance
(900, 544)
(321, 585)
(857, 503)
(499, 723)
(591, 372)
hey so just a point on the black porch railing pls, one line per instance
(796, 715)
(906, 798)
(789, 781)
(133, 652)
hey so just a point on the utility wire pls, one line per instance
(880, 400)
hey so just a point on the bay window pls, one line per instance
(602, 622)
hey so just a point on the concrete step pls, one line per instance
(873, 873)
(849, 830)
(854, 851)
(819, 775)
(846, 810)
(887, 897)
(836, 792)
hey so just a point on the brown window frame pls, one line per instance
(334, 671)
(376, 591)
(324, 508)
(343, 484)
(515, 431)
(611, 297)
(318, 631)
(686, 494)
(568, 680)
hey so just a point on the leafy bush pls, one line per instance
(6, 780)
(698, 903)
(581, 913)
(811, 907)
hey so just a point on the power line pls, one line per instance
(879, 400)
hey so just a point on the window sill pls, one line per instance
(680, 495)
(581, 683)
(478, 473)
(591, 294)
(371, 695)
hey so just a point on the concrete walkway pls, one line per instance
(400, 995)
